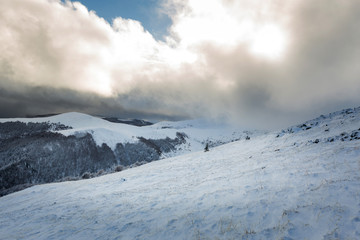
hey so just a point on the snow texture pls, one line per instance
(296, 184)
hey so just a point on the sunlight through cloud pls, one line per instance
(269, 42)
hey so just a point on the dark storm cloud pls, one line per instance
(29, 100)
(23, 101)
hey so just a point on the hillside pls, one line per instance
(73, 146)
(299, 183)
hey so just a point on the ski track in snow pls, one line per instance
(269, 187)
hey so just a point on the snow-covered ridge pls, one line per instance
(269, 187)
(341, 125)
(103, 131)
(75, 146)
(112, 133)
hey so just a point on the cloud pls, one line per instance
(254, 63)
(27, 100)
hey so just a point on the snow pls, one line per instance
(113, 133)
(102, 130)
(269, 187)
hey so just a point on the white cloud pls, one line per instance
(248, 60)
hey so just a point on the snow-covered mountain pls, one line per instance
(73, 145)
(299, 183)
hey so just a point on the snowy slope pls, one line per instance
(75, 145)
(281, 185)
(198, 131)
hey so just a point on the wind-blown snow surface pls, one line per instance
(297, 184)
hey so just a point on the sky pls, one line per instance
(148, 12)
(254, 63)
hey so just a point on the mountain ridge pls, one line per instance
(268, 187)
(74, 146)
